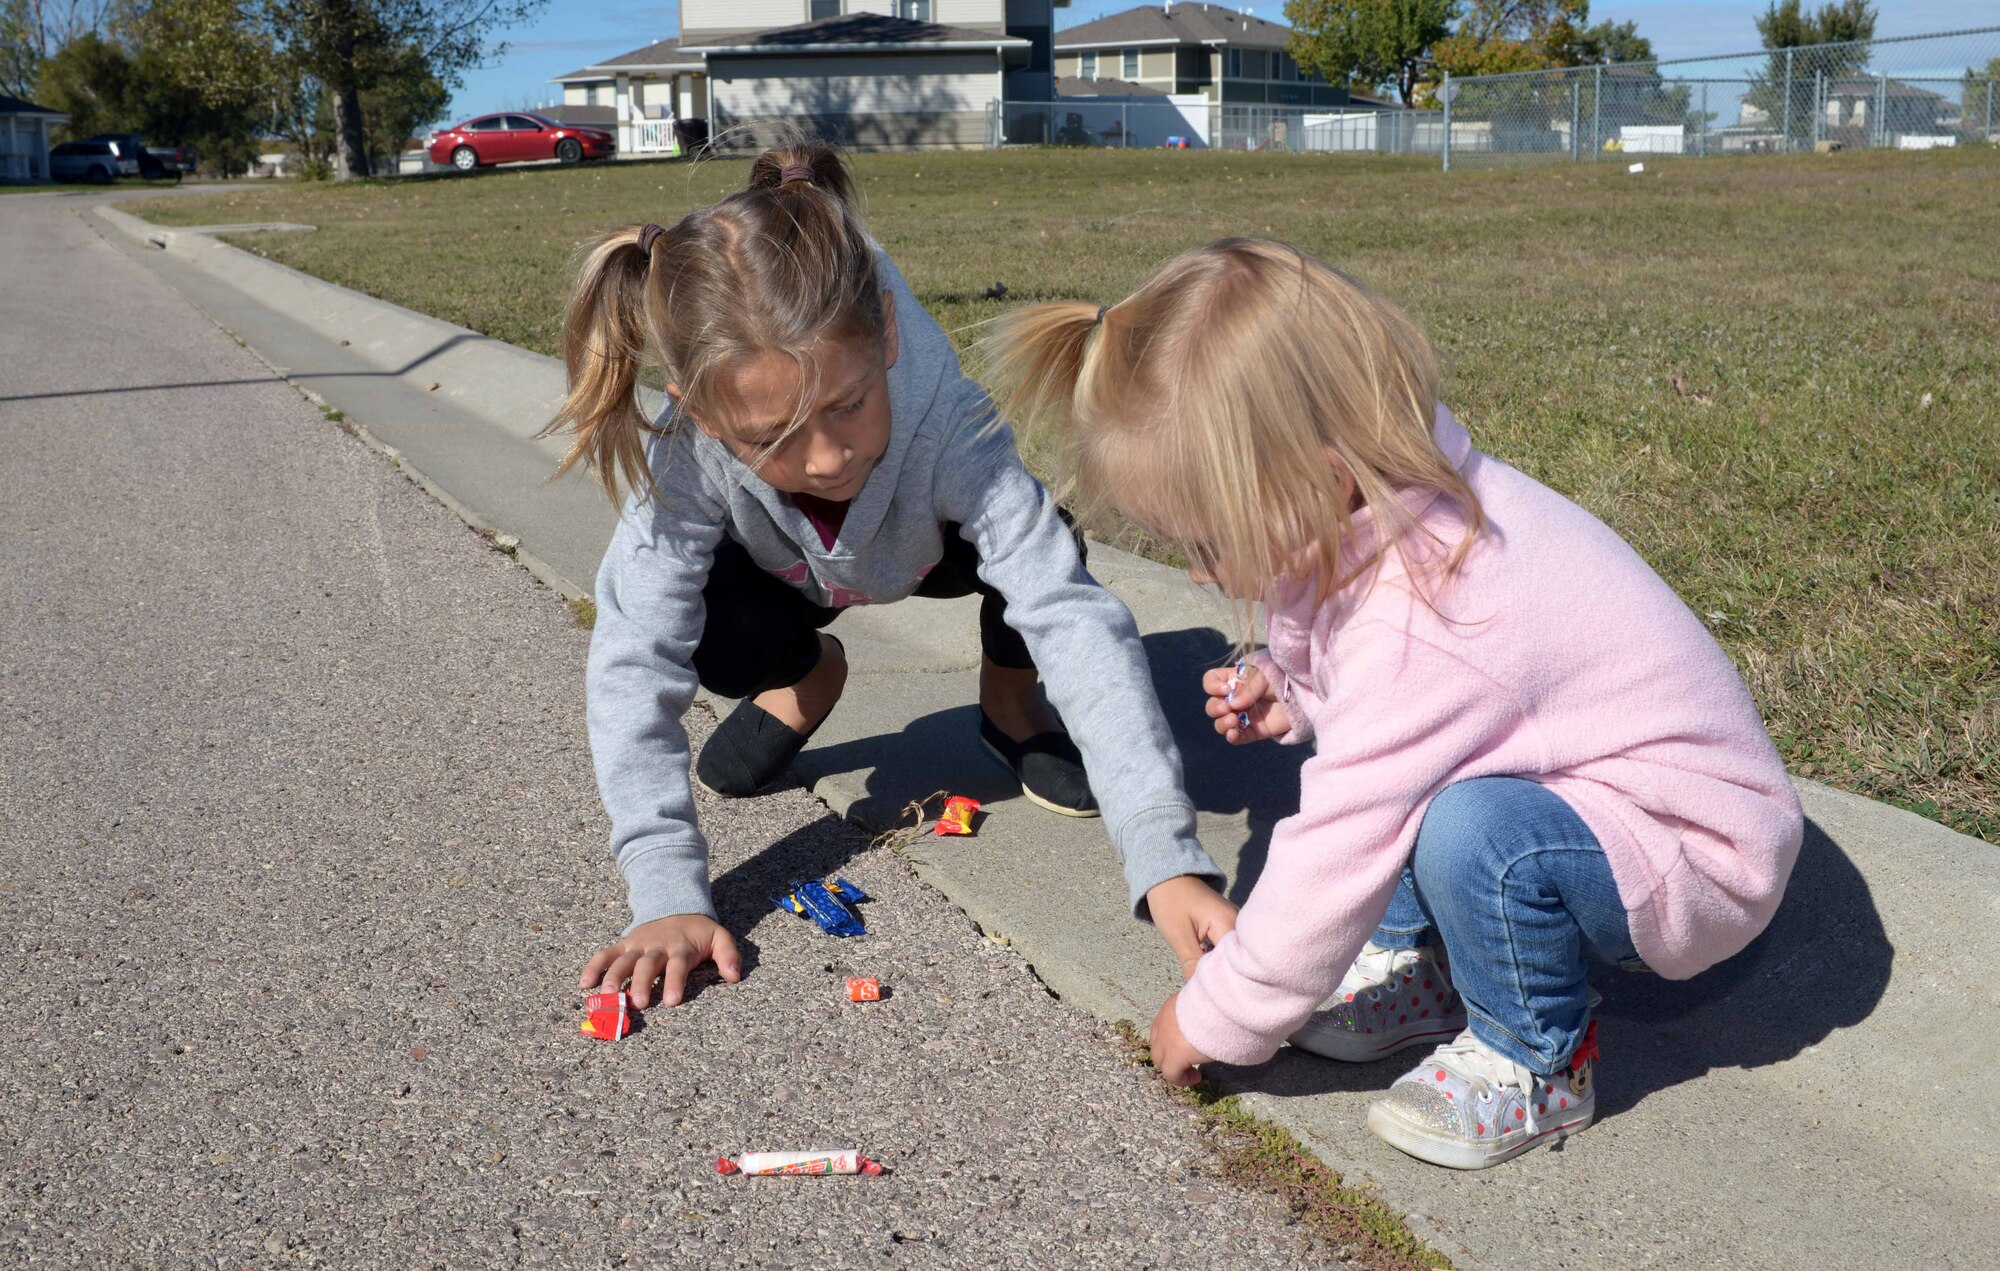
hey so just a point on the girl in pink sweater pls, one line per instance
(1528, 755)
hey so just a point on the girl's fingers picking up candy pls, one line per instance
(644, 969)
(673, 981)
(593, 970)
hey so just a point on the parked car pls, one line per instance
(94, 161)
(131, 146)
(517, 138)
(177, 160)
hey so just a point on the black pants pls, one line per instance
(761, 630)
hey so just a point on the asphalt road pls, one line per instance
(300, 853)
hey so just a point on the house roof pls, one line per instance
(10, 105)
(1863, 84)
(1177, 24)
(856, 31)
(1078, 86)
(664, 55)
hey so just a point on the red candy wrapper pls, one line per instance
(864, 990)
(957, 815)
(803, 1163)
(609, 1016)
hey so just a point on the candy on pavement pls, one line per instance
(860, 989)
(841, 1162)
(957, 815)
(828, 904)
(609, 1016)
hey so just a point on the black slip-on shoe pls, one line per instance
(749, 750)
(1048, 767)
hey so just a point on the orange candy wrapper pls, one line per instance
(609, 1018)
(864, 990)
(957, 815)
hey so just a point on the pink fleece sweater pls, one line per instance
(1554, 654)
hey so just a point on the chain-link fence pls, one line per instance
(1908, 93)
(1199, 124)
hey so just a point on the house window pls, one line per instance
(914, 10)
(1131, 64)
(1086, 65)
(590, 94)
(1232, 63)
(817, 9)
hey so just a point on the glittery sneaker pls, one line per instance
(1469, 1106)
(1391, 998)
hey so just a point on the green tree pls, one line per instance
(402, 102)
(90, 80)
(1981, 98)
(1610, 42)
(352, 47)
(1787, 90)
(20, 50)
(1369, 43)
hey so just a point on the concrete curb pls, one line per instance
(1805, 1103)
(514, 390)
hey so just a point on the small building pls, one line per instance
(24, 139)
(1231, 58)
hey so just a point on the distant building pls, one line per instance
(873, 74)
(1210, 49)
(24, 139)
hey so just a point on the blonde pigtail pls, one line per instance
(605, 341)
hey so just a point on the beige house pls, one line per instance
(873, 74)
(1229, 57)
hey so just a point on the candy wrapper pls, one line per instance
(609, 1016)
(957, 815)
(828, 904)
(864, 990)
(843, 1162)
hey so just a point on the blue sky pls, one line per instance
(574, 33)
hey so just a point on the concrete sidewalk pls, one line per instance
(1820, 1100)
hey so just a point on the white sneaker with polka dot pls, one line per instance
(1391, 999)
(1468, 1106)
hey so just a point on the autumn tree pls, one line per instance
(1368, 43)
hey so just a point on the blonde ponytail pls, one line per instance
(605, 339)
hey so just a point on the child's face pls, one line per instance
(842, 432)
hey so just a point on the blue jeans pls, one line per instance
(1520, 892)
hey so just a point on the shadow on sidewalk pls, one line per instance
(1822, 965)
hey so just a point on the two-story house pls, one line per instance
(1231, 58)
(872, 74)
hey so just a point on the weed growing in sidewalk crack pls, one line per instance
(1260, 1155)
(585, 612)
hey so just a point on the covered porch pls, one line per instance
(24, 140)
(648, 90)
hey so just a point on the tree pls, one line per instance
(355, 46)
(1787, 90)
(406, 99)
(89, 79)
(1368, 42)
(1610, 42)
(20, 53)
(1497, 37)
(1981, 98)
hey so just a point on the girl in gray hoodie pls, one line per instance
(821, 448)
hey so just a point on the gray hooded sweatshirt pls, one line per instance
(945, 463)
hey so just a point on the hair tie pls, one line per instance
(795, 172)
(649, 234)
(1099, 319)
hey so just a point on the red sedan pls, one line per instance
(491, 139)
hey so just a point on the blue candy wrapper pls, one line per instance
(828, 904)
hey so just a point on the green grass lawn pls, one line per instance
(1775, 376)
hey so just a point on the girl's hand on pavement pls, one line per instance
(1191, 916)
(1176, 1058)
(1243, 704)
(665, 949)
